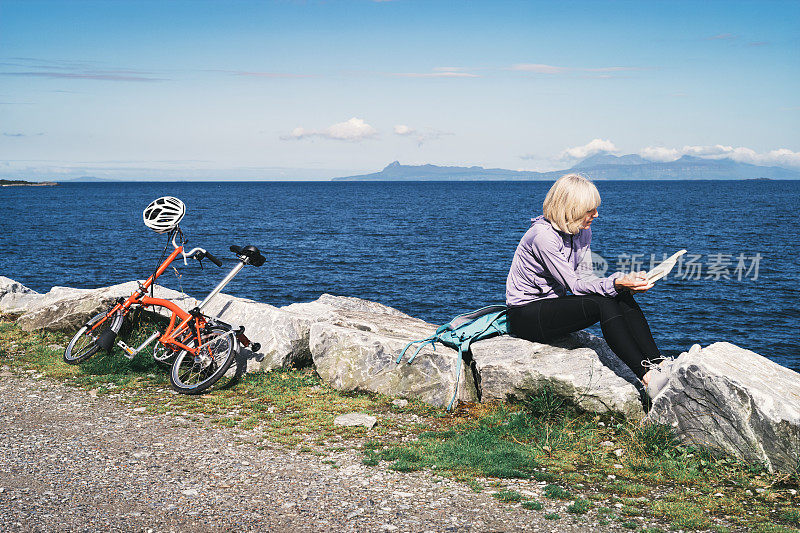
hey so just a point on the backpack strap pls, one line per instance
(463, 346)
(463, 349)
(461, 353)
(429, 340)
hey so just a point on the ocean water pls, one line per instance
(432, 250)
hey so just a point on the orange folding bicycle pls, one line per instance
(203, 347)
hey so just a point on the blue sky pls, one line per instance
(311, 90)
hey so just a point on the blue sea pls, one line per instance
(432, 250)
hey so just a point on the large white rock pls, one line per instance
(64, 308)
(330, 302)
(580, 367)
(726, 398)
(284, 332)
(14, 296)
(356, 350)
(283, 336)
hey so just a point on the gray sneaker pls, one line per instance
(660, 372)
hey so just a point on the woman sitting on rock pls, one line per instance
(553, 258)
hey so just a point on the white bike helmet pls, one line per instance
(163, 214)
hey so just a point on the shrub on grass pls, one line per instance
(579, 506)
(508, 496)
(402, 465)
(543, 476)
(548, 407)
(475, 486)
(533, 505)
(554, 492)
(654, 439)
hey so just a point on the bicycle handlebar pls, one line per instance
(249, 255)
(213, 259)
(200, 254)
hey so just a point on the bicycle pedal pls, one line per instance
(127, 351)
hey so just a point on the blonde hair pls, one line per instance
(568, 201)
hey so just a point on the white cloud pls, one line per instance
(659, 153)
(421, 136)
(353, 130)
(440, 72)
(592, 147)
(740, 154)
(402, 129)
(538, 68)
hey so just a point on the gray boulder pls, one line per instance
(356, 350)
(14, 296)
(580, 367)
(726, 398)
(284, 332)
(66, 309)
(330, 302)
(283, 336)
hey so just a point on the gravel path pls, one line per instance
(72, 462)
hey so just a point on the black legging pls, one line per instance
(621, 319)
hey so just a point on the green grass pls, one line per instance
(533, 505)
(792, 516)
(508, 496)
(543, 439)
(579, 506)
(557, 493)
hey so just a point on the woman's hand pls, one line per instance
(634, 282)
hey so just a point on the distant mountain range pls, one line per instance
(598, 166)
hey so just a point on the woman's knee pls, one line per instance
(607, 306)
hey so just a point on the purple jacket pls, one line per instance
(548, 263)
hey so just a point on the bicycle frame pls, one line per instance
(181, 321)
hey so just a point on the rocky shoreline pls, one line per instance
(23, 183)
(722, 397)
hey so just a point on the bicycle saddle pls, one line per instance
(250, 254)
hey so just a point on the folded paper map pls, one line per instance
(664, 267)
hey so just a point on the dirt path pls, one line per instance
(71, 462)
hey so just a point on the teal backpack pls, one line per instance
(461, 332)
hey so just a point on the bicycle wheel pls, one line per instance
(192, 374)
(84, 343)
(234, 374)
